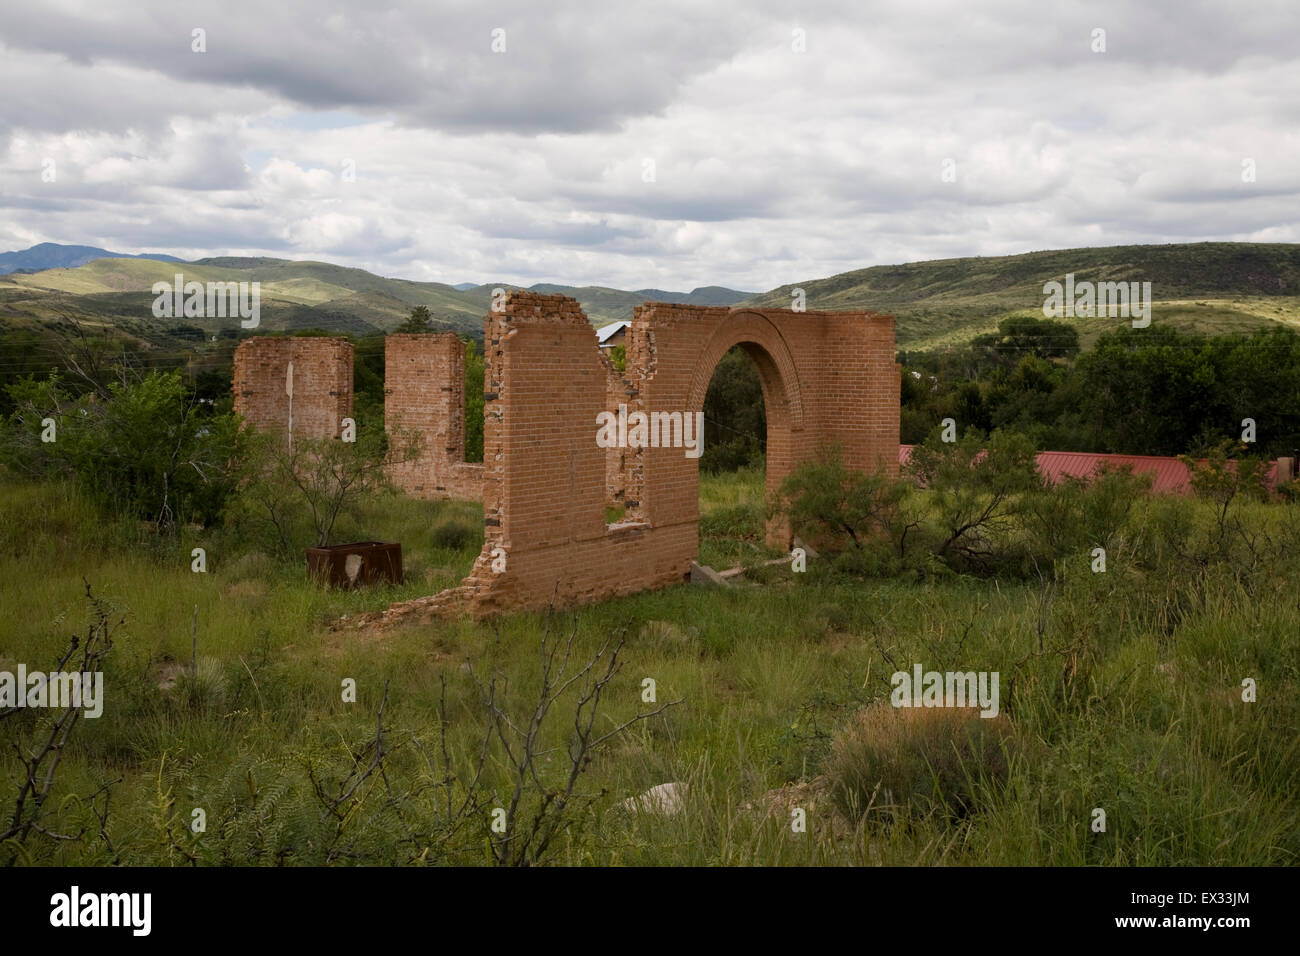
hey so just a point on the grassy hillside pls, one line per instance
(604, 305)
(294, 295)
(1209, 286)
(1206, 287)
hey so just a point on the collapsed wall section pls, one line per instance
(544, 493)
(424, 400)
(619, 462)
(301, 387)
(827, 378)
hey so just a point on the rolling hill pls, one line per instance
(1209, 286)
(294, 295)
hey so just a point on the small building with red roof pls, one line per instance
(1169, 475)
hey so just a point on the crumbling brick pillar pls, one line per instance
(318, 372)
(424, 399)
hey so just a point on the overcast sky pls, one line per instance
(770, 165)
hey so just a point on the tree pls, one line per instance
(474, 374)
(148, 449)
(1021, 335)
(618, 357)
(1222, 478)
(321, 478)
(825, 501)
(977, 489)
(420, 320)
(735, 418)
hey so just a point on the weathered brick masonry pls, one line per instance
(424, 394)
(322, 384)
(827, 377)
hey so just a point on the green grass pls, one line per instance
(1149, 727)
(733, 509)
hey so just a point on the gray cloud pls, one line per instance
(769, 165)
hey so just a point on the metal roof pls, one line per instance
(606, 332)
(1169, 475)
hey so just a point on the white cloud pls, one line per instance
(770, 166)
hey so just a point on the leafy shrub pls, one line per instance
(977, 489)
(147, 449)
(842, 510)
(618, 357)
(889, 759)
(454, 535)
(1080, 514)
(1290, 491)
(876, 561)
(299, 491)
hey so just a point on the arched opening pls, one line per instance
(745, 381)
(732, 482)
(735, 418)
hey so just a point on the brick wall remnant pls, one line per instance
(827, 377)
(424, 396)
(321, 384)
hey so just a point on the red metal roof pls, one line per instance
(1169, 475)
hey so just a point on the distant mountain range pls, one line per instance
(115, 290)
(1210, 287)
(52, 255)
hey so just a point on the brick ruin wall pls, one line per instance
(827, 377)
(424, 398)
(322, 384)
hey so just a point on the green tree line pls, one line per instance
(1153, 391)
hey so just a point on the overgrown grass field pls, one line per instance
(1113, 700)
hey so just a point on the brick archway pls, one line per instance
(778, 377)
(827, 377)
(762, 339)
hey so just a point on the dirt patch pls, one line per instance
(245, 590)
(340, 639)
(166, 672)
